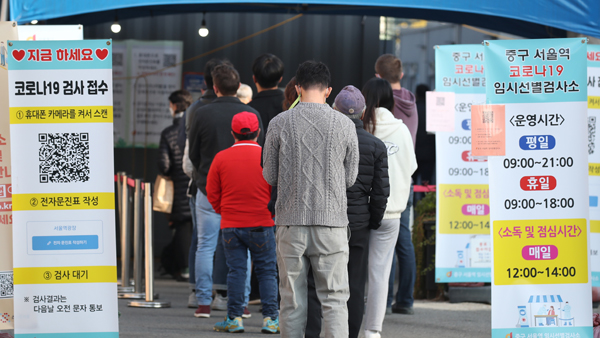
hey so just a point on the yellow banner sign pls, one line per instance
(464, 209)
(88, 114)
(540, 252)
(64, 201)
(66, 275)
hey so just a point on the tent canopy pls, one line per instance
(532, 18)
(545, 299)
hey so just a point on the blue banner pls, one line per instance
(527, 71)
(459, 69)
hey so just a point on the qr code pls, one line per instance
(440, 101)
(591, 134)
(169, 60)
(117, 59)
(64, 157)
(6, 285)
(488, 116)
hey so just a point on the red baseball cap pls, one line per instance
(244, 123)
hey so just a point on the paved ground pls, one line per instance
(431, 319)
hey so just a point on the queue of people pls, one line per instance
(312, 200)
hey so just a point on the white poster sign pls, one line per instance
(141, 102)
(463, 250)
(60, 95)
(8, 31)
(50, 32)
(593, 86)
(541, 282)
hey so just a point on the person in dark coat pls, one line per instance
(267, 72)
(367, 200)
(174, 257)
(425, 147)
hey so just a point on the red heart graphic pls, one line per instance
(102, 53)
(18, 54)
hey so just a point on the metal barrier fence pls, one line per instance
(134, 200)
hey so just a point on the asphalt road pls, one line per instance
(431, 319)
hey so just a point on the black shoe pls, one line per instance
(403, 310)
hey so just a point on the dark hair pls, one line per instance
(378, 93)
(268, 70)
(208, 68)
(313, 74)
(182, 99)
(245, 137)
(226, 79)
(290, 95)
(389, 67)
(421, 90)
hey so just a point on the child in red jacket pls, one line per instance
(237, 190)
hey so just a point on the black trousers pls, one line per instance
(357, 276)
(175, 255)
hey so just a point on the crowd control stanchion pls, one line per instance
(138, 269)
(125, 237)
(149, 302)
(119, 203)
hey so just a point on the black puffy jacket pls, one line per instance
(367, 198)
(170, 157)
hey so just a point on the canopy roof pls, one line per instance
(532, 18)
(545, 299)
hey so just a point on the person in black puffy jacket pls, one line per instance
(174, 257)
(367, 200)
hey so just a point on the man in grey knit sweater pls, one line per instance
(311, 155)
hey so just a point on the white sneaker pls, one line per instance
(372, 334)
(219, 303)
(192, 300)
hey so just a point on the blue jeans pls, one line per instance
(261, 243)
(208, 224)
(405, 251)
(194, 243)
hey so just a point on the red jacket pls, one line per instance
(236, 188)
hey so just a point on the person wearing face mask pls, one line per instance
(174, 257)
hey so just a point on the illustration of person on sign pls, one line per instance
(2, 54)
(567, 319)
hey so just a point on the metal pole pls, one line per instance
(125, 238)
(4, 11)
(149, 302)
(120, 174)
(119, 207)
(137, 245)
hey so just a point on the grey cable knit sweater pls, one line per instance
(311, 155)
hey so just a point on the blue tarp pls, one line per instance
(531, 18)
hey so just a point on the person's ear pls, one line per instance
(258, 133)
(232, 134)
(239, 85)
(298, 90)
(216, 90)
(280, 79)
(401, 75)
(253, 78)
(328, 92)
(377, 76)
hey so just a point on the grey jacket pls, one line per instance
(311, 155)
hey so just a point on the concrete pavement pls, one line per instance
(431, 319)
